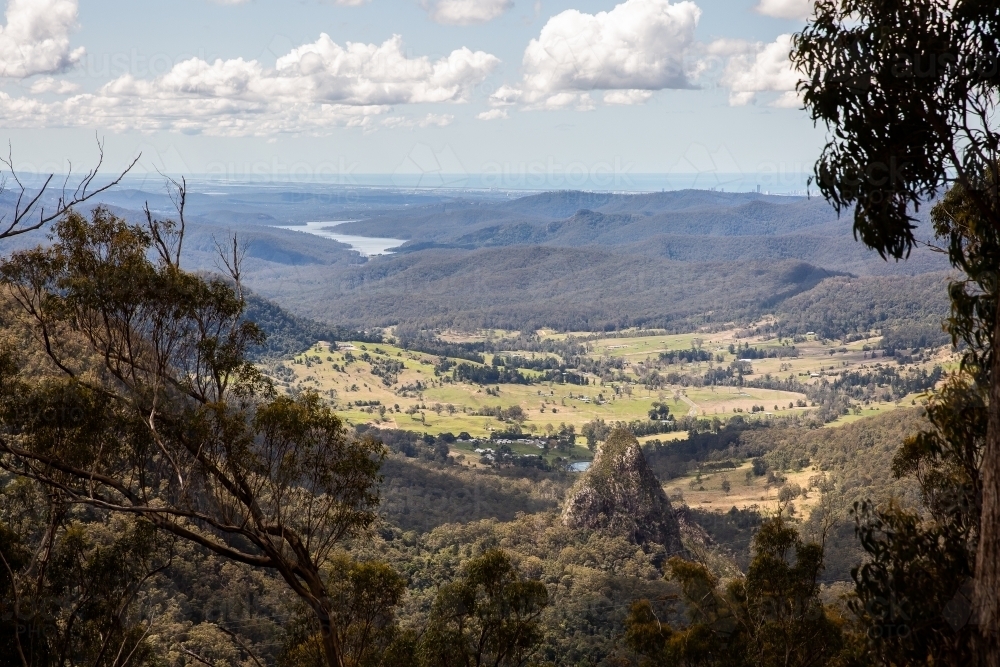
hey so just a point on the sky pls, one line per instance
(548, 93)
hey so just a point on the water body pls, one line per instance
(580, 466)
(366, 245)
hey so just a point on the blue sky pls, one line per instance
(469, 86)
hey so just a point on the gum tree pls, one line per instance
(129, 389)
(908, 91)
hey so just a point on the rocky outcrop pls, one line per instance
(620, 495)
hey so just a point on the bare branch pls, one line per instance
(199, 658)
(231, 256)
(30, 214)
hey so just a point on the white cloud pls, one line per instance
(638, 45)
(492, 114)
(35, 39)
(767, 70)
(48, 84)
(213, 116)
(790, 99)
(726, 48)
(467, 12)
(627, 97)
(786, 9)
(505, 96)
(564, 100)
(313, 88)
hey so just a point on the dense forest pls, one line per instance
(527, 288)
(288, 335)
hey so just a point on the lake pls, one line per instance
(366, 245)
(579, 466)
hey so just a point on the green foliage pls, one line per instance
(973, 248)
(659, 411)
(914, 592)
(773, 616)
(914, 589)
(590, 577)
(733, 530)
(487, 617)
(907, 90)
(365, 596)
(71, 588)
(149, 406)
(488, 375)
(595, 432)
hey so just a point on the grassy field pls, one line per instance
(414, 397)
(705, 491)
(418, 399)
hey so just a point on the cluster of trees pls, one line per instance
(731, 375)
(420, 341)
(746, 352)
(771, 616)
(545, 363)
(659, 411)
(883, 382)
(914, 336)
(133, 421)
(386, 368)
(911, 567)
(488, 375)
(514, 413)
(685, 356)
(848, 390)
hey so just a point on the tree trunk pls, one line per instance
(987, 584)
(331, 649)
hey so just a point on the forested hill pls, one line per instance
(686, 225)
(289, 334)
(566, 260)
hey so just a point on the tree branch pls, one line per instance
(24, 218)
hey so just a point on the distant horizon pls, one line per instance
(769, 183)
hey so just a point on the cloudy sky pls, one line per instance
(317, 88)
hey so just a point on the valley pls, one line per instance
(481, 333)
(492, 357)
(616, 379)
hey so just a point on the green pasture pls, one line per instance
(554, 404)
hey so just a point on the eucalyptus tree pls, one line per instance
(908, 91)
(71, 589)
(127, 387)
(488, 617)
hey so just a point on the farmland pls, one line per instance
(389, 386)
